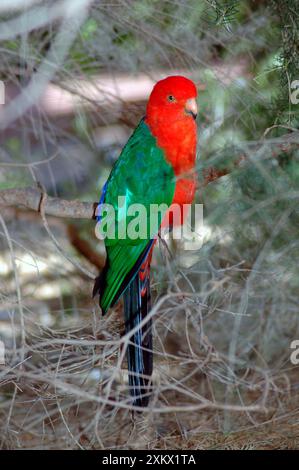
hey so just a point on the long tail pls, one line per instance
(137, 303)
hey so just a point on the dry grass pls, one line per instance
(70, 390)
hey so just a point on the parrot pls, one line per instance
(155, 167)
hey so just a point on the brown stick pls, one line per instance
(84, 248)
(31, 199)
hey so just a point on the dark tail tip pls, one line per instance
(98, 284)
(98, 289)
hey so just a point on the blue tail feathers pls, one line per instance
(139, 353)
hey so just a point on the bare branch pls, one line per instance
(31, 199)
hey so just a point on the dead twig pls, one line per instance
(31, 199)
(84, 248)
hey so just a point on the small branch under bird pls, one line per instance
(156, 166)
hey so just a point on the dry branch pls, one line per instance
(84, 248)
(31, 199)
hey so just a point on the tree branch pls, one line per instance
(31, 199)
(84, 247)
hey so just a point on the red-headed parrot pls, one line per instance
(156, 166)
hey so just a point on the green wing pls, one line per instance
(140, 176)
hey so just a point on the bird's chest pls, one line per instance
(179, 144)
(182, 155)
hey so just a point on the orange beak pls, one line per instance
(191, 107)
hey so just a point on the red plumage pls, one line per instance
(174, 127)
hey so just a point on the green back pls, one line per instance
(141, 175)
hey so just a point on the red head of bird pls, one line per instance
(170, 115)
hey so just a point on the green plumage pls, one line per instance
(141, 175)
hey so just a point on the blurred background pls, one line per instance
(76, 76)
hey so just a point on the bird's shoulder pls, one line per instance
(141, 168)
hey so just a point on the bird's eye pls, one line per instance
(171, 98)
